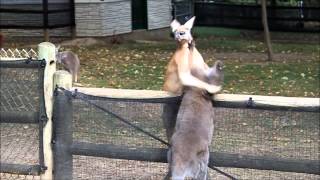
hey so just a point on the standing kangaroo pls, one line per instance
(184, 60)
(188, 155)
(70, 62)
(178, 75)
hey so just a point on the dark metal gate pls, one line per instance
(280, 18)
(30, 14)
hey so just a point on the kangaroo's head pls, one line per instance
(182, 32)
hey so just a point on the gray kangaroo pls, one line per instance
(70, 62)
(188, 155)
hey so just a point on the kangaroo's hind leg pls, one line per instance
(203, 163)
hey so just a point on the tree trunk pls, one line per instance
(266, 29)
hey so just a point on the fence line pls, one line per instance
(225, 100)
(221, 159)
(17, 54)
(27, 60)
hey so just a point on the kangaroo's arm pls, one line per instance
(198, 59)
(185, 76)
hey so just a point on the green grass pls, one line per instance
(204, 32)
(279, 78)
(142, 66)
(232, 40)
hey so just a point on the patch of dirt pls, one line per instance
(84, 42)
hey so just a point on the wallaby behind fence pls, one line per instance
(188, 155)
(70, 62)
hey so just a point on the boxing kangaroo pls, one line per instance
(185, 58)
(188, 155)
(179, 71)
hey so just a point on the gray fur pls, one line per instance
(189, 152)
(70, 62)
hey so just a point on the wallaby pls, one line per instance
(188, 155)
(70, 62)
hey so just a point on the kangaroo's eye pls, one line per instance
(182, 33)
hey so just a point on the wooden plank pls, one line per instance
(124, 93)
(289, 102)
(270, 100)
(46, 51)
(216, 159)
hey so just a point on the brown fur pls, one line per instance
(185, 60)
(172, 82)
(70, 62)
(189, 152)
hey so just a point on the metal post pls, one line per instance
(45, 20)
(72, 20)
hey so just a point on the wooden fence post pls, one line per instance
(46, 51)
(63, 128)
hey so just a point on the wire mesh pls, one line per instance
(19, 142)
(250, 174)
(19, 89)
(96, 168)
(96, 126)
(259, 133)
(265, 133)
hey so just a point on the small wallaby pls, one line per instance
(70, 62)
(188, 155)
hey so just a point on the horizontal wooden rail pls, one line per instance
(223, 100)
(216, 159)
(19, 117)
(20, 169)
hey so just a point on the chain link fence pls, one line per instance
(21, 106)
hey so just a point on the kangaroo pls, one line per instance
(188, 155)
(184, 60)
(70, 62)
(179, 71)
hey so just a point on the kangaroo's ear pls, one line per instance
(174, 25)
(189, 23)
